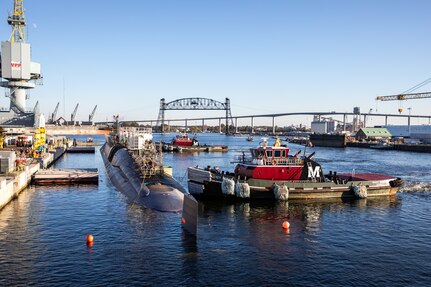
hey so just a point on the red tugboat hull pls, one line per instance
(270, 172)
(182, 142)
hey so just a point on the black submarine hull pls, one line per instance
(160, 192)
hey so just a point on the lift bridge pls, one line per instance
(194, 104)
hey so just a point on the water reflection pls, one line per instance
(189, 259)
(18, 228)
(309, 213)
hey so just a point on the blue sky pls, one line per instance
(266, 56)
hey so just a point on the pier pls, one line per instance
(81, 149)
(66, 176)
(421, 148)
(12, 184)
(18, 172)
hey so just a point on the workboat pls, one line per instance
(184, 143)
(136, 169)
(272, 173)
(184, 140)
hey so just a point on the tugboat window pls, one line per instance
(269, 153)
(277, 153)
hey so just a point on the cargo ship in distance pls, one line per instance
(136, 169)
(271, 173)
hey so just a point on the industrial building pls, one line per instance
(420, 133)
(373, 134)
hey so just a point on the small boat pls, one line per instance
(249, 139)
(272, 173)
(184, 140)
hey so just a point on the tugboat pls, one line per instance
(136, 169)
(272, 173)
(184, 140)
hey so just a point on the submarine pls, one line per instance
(135, 168)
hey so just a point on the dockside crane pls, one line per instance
(91, 116)
(36, 108)
(408, 95)
(52, 119)
(72, 116)
(402, 97)
(18, 71)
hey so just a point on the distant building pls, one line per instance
(322, 127)
(373, 134)
(404, 130)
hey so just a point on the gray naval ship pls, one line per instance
(136, 169)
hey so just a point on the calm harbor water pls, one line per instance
(371, 242)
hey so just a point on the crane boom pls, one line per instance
(72, 116)
(36, 108)
(90, 117)
(54, 114)
(402, 97)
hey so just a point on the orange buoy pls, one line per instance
(286, 225)
(90, 239)
(183, 220)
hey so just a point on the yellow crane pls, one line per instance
(408, 95)
(17, 21)
(402, 97)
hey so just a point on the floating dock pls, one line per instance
(81, 149)
(329, 140)
(423, 148)
(66, 176)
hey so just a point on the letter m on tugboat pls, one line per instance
(314, 172)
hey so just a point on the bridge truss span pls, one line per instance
(194, 104)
